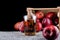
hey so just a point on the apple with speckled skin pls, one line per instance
(16, 26)
(46, 21)
(38, 26)
(50, 32)
(19, 26)
(39, 14)
(50, 15)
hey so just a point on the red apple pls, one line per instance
(16, 26)
(38, 26)
(21, 26)
(50, 32)
(46, 21)
(39, 14)
(50, 15)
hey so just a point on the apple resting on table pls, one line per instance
(19, 26)
(50, 32)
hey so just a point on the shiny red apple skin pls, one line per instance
(50, 15)
(21, 26)
(50, 32)
(39, 14)
(46, 21)
(16, 26)
(38, 26)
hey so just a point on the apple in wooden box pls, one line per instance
(49, 18)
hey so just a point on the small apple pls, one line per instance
(21, 26)
(16, 26)
(39, 14)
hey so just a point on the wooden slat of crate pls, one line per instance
(41, 8)
(45, 9)
(59, 17)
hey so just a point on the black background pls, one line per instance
(13, 11)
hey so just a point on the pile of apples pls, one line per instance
(49, 22)
(45, 22)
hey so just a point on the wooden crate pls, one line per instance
(59, 17)
(45, 10)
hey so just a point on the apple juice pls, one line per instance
(29, 28)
